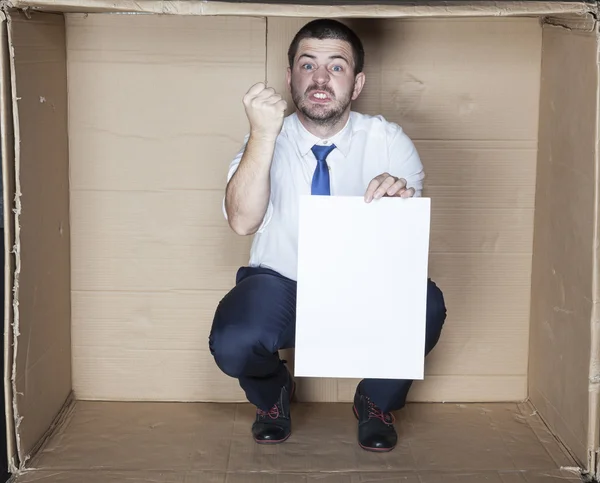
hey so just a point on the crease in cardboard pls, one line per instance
(17, 245)
(267, 51)
(554, 434)
(584, 23)
(531, 417)
(59, 425)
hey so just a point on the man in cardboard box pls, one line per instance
(323, 148)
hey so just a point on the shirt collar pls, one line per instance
(307, 140)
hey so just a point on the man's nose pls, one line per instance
(321, 75)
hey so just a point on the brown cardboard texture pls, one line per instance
(117, 133)
(314, 8)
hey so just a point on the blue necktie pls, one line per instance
(320, 181)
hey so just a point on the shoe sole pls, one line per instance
(278, 441)
(367, 448)
(272, 441)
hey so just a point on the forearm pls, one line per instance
(248, 191)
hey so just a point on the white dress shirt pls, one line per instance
(366, 147)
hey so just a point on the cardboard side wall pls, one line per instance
(564, 244)
(42, 363)
(152, 254)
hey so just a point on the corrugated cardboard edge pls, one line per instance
(7, 146)
(11, 366)
(401, 9)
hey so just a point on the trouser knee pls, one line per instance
(227, 348)
(436, 315)
(240, 348)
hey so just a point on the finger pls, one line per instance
(255, 89)
(277, 102)
(260, 101)
(281, 104)
(384, 186)
(274, 99)
(266, 93)
(373, 185)
(410, 192)
(396, 188)
(251, 95)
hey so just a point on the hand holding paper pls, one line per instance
(387, 185)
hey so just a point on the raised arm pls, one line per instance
(248, 190)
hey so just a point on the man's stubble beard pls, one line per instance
(321, 116)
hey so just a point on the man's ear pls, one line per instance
(288, 78)
(359, 82)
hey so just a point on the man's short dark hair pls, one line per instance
(329, 29)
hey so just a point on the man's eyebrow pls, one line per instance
(331, 57)
(339, 57)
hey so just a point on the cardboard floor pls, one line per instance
(210, 443)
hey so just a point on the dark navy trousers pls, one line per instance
(257, 318)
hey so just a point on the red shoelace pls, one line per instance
(273, 413)
(375, 412)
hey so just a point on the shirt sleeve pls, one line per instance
(405, 161)
(233, 166)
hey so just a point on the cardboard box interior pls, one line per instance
(123, 128)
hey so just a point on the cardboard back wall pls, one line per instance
(154, 122)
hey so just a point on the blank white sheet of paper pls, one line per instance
(362, 287)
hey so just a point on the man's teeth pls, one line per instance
(318, 95)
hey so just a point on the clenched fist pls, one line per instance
(265, 110)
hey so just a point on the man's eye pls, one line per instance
(307, 66)
(337, 68)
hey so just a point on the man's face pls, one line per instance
(322, 80)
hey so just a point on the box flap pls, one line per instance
(42, 356)
(313, 8)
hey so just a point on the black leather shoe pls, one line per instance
(275, 426)
(376, 430)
